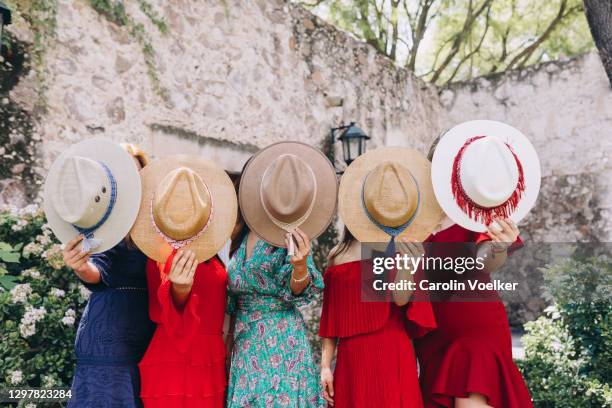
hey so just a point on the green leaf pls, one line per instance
(10, 257)
(8, 282)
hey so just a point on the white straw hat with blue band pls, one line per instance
(387, 193)
(94, 189)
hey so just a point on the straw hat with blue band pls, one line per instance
(93, 189)
(387, 193)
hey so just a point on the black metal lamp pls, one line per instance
(353, 140)
(5, 18)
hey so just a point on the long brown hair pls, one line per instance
(344, 244)
(241, 229)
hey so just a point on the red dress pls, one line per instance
(375, 362)
(471, 351)
(184, 365)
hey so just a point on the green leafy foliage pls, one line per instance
(568, 352)
(453, 40)
(40, 304)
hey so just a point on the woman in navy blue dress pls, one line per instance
(115, 329)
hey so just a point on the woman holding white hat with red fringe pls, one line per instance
(486, 177)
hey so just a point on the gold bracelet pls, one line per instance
(301, 279)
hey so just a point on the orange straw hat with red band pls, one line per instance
(482, 170)
(187, 202)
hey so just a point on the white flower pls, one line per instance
(27, 326)
(16, 377)
(44, 238)
(48, 381)
(20, 293)
(30, 405)
(84, 292)
(27, 330)
(57, 292)
(31, 273)
(32, 249)
(69, 317)
(54, 256)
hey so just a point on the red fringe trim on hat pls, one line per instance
(475, 211)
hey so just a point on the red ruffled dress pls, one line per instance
(471, 351)
(375, 361)
(184, 365)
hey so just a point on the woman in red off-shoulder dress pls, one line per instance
(467, 361)
(375, 362)
(184, 365)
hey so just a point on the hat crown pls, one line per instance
(390, 194)
(82, 192)
(288, 189)
(182, 204)
(489, 173)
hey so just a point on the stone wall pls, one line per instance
(234, 76)
(565, 108)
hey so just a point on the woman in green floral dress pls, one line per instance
(272, 363)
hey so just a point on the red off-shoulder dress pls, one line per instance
(471, 350)
(184, 365)
(375, 361)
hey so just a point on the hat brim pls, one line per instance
(325, 201)
(447, 149)
(225, 207)
(122, 217)
(352, 213)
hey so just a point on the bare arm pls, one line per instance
(300, 278)
(79, 261)
(328, 349)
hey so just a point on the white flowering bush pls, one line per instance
(40, 303)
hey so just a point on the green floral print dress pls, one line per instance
(272, 363)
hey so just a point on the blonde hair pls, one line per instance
(136, 152)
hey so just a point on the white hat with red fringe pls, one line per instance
(482, 170)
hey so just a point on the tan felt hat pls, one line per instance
(285, 186)
(387, 192)
(187, 202)
(93, 189)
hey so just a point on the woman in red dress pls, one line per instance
(184, 365)
(187, 214)
(486, 176)
(467, 361)
(375, 362)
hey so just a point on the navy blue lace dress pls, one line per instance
(113, 333)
